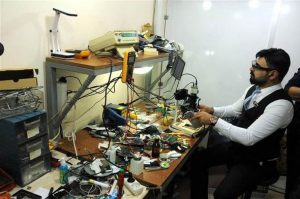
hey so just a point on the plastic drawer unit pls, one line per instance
(24, 127)
(24, 150)
(33, 170)
(31, 150)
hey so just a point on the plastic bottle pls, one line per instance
(155, 148)
(112, 154)
(63, 172)
(136, 165)
(62, 90)
(120, 183)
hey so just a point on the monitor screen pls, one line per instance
(178, 67)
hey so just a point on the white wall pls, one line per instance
(287, 35)
(25, 25)
(24, 30)
(234, 32)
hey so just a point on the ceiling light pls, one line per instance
(206, 5)
(254, 3)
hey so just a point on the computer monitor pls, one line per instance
(177, 68)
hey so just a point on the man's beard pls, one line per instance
(258, 82)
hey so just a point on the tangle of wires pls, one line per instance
(78, 188)
(17, 102)
(98, 89)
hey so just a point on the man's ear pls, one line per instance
(273, 75)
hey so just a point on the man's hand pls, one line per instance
(207, 109)
(203, 117)
(294, 93)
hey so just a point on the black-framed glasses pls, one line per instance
(256, 66)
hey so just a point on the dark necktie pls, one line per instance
(249, 98)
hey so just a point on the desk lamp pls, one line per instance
(56, 51)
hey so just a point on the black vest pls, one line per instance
(267, 148)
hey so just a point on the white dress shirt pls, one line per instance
(277, 115)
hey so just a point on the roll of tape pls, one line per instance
(165, 164)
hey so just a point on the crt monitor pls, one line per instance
(177, 68)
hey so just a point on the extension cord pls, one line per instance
(134, 187)
(101, 184)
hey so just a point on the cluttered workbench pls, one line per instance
(157, 177)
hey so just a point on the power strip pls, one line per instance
(134, 187)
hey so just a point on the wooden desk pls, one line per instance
(158, 179)
(92, 67)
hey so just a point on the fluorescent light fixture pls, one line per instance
(142, 70)
(238, 15)
(209, 52)
(253, 3)
(285, 9)
(207, 4)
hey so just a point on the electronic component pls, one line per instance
(26, 194)
(128, 65)
(119, 40)
(100, 168)
(178, 67)
(112, 118)
(186, 128)
(195, 122)
(133, 185)
(118, 108)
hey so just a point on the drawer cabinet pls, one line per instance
(24, 151)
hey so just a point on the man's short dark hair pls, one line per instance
(276, 58)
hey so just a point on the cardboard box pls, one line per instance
(17, 79)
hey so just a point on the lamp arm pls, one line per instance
(65, 13)
(54, 30)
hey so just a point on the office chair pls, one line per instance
(264, 184)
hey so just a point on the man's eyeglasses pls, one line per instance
(255, 65)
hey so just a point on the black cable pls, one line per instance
(104, 107)
(61, 132)
(170, 90)
(192, 76)
(94, 89)
(165, 84)
(177, 84)
(74, 78)
(142, 97)
(188, 84)
(88, 109)
(93, 92)
(127, 104)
